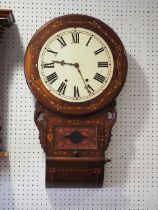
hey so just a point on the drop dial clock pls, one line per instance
(75, 66)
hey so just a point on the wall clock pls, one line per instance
(75, 66)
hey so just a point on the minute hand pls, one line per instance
(77, 66)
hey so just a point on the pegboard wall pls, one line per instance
(131, 178)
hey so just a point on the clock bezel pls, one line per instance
(52, 102)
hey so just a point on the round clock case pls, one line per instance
(75, 65)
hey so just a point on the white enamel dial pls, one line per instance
(75, 64)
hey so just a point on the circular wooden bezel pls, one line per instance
(71, 108)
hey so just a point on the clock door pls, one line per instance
(75, 138)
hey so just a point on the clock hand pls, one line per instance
(64, 63)
(79, 71)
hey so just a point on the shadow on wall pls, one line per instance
(11, 55)
(127, 129)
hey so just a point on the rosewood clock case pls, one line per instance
(74, 136)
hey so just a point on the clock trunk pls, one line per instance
(75, 146)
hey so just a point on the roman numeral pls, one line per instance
(75, 37)
(90, 88)
(62, 88)
(48, 65)
(102, 64)
(76, 92)
(51, 51)
(89, 41)
(99, 51)
(62, 42)
(52, 77)
(99, 77)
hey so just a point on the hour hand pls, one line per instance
(65, 63)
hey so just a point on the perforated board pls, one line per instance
(131, 178)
